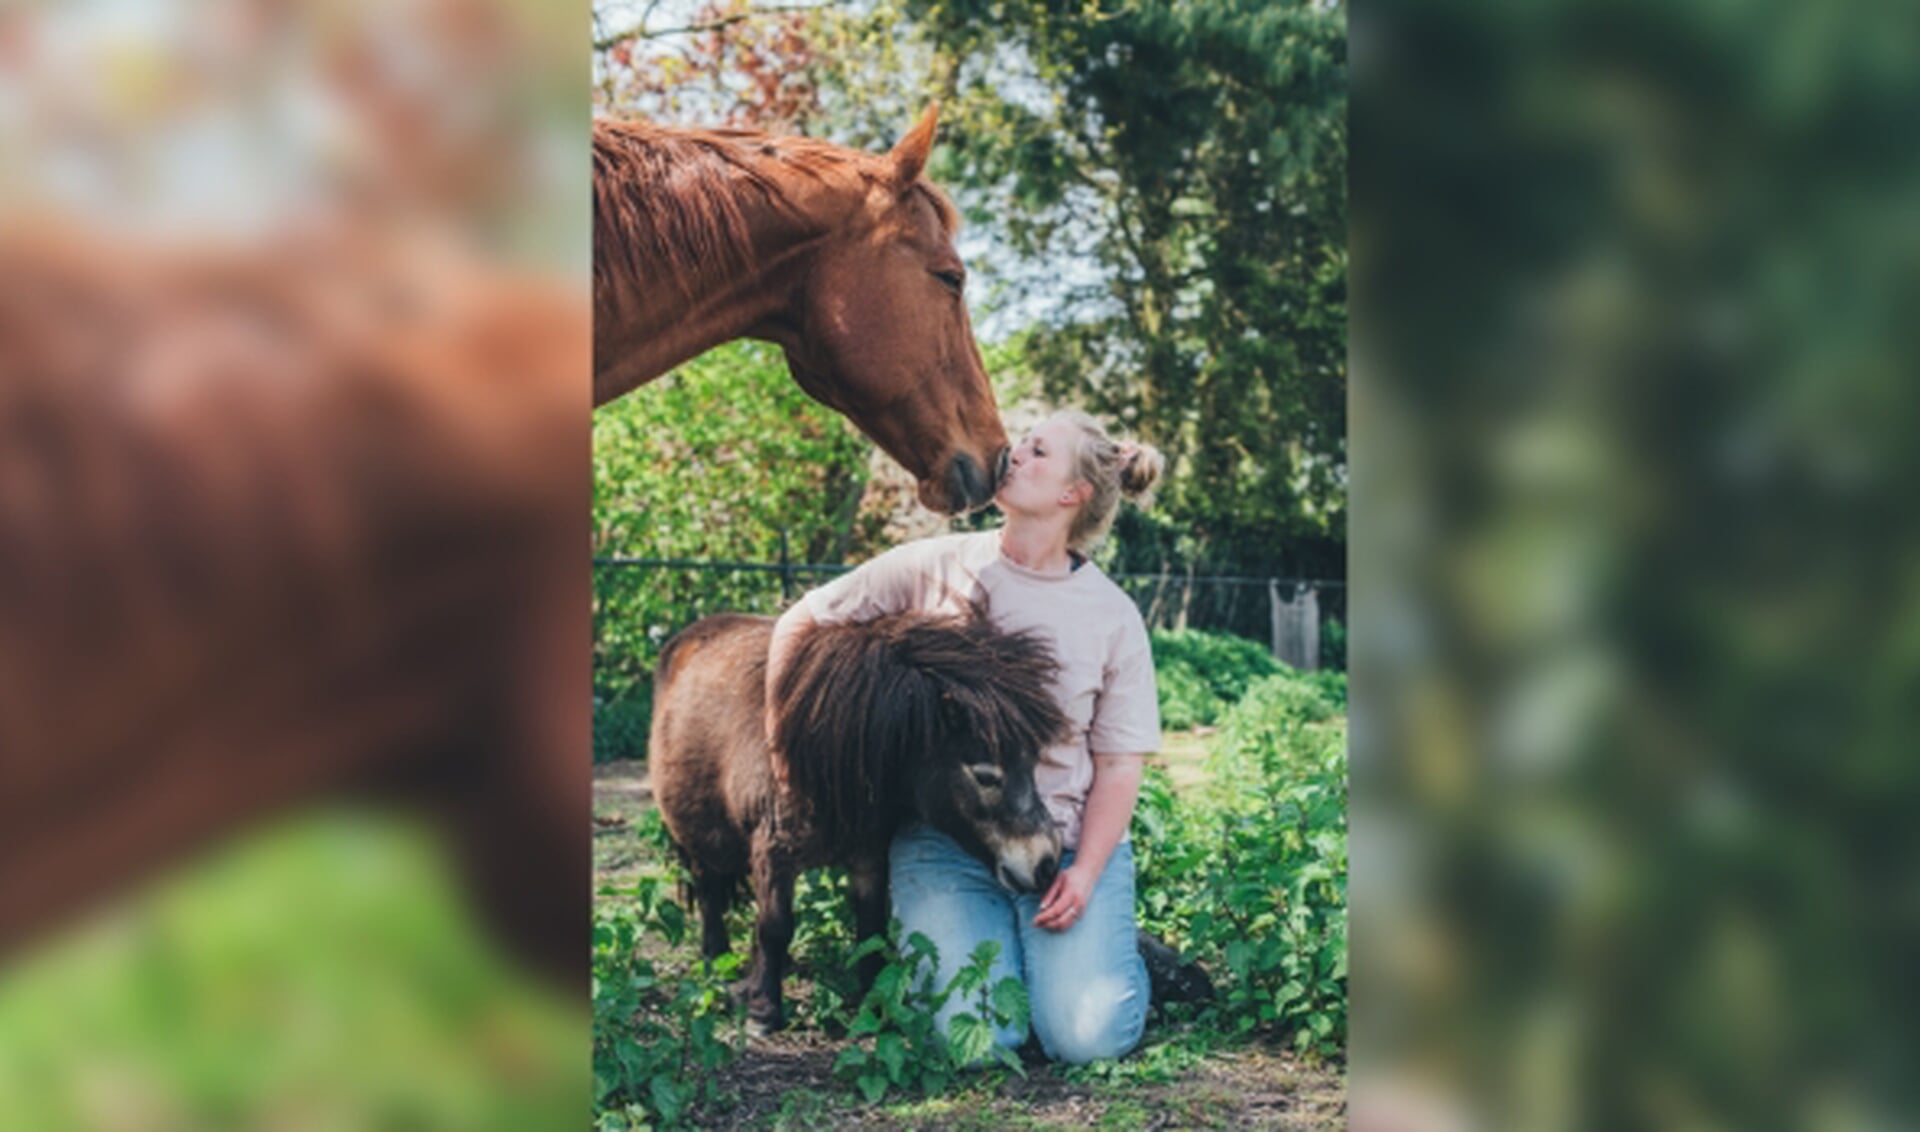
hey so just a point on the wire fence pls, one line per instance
(1302, 620)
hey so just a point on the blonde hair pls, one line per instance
(1115, 469)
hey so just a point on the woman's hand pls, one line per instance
(786, 632)
(1064, 902)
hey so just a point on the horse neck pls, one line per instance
(644, 329)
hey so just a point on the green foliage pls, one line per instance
(659, 1034)
(1213, 199)
(323, 971)
(711, 462)
(897, 1044)
(1333, 645)
(620, 722)
(1246, 873)
(1201, 674)
(1250, 873)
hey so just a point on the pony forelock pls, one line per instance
(858, 701)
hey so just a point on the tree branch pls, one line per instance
(641, 31)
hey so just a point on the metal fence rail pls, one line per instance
(1290, 615)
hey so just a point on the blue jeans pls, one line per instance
(1087, 985)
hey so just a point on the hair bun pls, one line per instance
(1140, 468)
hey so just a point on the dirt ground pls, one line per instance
(784, 1081)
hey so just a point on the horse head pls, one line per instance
(883, 334)
(931, 717)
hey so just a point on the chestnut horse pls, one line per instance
(283, 524)
(908, 717)
(844, 259)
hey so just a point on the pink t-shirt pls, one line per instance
(1105, 684)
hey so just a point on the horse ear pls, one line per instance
(909, 154)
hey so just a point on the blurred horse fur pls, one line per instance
(282, 524)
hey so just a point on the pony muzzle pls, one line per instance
(1028, 864)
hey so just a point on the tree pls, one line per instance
(1197, 155)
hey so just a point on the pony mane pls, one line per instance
(858, 702)
(668, 202)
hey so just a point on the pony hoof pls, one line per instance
(741, 992)
(763, 1027)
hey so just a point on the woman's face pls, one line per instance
(1040, 475)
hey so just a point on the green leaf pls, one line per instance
(1011, 1003)
(673, 922)
(1238, 954)
(970, 1038)
(851, 1058)
(892, 1052)
(668, 1097)
(873, 1086)
(1010, 1059)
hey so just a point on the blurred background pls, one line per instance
(293, 488)
(1634, 668)
(1634, 627)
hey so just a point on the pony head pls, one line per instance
(925, 716)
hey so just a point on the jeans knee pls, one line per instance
(1100, 1022)
(1079, 1049)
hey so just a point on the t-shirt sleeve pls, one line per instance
(1126, 717)
(890, 583)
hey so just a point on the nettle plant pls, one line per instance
(1252, 877)
(896, 1042)
(659, 1034)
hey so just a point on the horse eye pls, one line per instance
(951, 280)
(986, 774)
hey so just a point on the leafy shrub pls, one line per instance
(1275, 894)
(658, 1035)
(1201, 674)
(1250, 873)
(621, 722)
(711, 462)
(897, 1042)
(1330, 684)
(1333, 645)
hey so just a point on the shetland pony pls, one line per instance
(909, 717)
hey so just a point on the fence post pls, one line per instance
(1273, 607)
(1296, 624)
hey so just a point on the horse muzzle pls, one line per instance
(969, 486)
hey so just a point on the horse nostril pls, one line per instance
(1000, 463)
(967, 483)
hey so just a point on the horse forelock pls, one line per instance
(669, 201)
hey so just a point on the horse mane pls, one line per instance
(860, 700)
(668, 202)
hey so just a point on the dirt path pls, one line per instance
(785, 1081)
